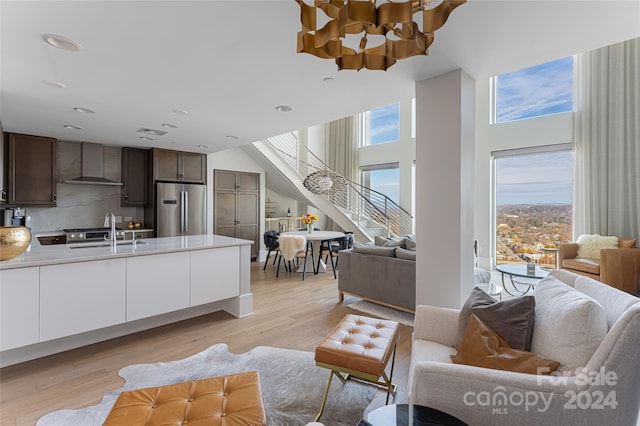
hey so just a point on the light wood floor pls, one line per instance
(289, 313)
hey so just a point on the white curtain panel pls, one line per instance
(607, 140)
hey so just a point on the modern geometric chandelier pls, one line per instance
(400, 36)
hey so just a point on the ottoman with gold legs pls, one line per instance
(359, 347)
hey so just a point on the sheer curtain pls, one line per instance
(607, 140)
(342, 138)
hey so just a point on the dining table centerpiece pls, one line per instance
(308, 219)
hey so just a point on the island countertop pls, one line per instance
(38, 255)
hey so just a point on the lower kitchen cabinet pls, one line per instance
(215, 275)
(157, 284)
(19, 307)
(79, 297)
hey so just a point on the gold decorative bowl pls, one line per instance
(14, 240)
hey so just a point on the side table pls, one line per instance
(409, 414)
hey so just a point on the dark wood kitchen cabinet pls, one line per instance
(236, 201)
(135, 177)
(179, 166)
(32, 170)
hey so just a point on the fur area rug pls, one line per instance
(291, 384)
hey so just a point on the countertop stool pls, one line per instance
(228, 400)
(359, 347)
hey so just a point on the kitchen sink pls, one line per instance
(104, 244)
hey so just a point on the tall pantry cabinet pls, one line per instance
(236, 201)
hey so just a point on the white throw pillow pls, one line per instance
(590, 245)
(569, 325)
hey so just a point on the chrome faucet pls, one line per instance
(111, 217)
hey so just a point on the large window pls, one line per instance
(384, 124)
(384, 179)
(535, 91)
(533, 204)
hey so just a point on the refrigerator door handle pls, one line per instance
(182, 212)
(186, 211)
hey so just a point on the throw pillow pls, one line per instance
(410, 242)
(569, 324)
(512, 319)
(405, 254)
(483, 347)
(590, 245)
(626, 242)
(389, 242)
(375, 250)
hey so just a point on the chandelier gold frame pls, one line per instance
(403, 37)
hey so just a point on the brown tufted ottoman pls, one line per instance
(227, 400)
(359, 347)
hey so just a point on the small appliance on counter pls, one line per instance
(15, 217)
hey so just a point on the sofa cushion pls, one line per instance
(569, 325)
(375, 250)
(582, 264)
(405, 254)
(626, 242)
(483, 347)
(590, 245)
(512, 319)
(389, 242)
(410, 242)
(615, 302)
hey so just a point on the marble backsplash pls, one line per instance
(82, 206)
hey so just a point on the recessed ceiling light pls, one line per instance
(169, 126)
(151, 131)
(146, 138)
(203, 146)
(180, 112)
(232, 137)
(284, 108)
(328, 79)
(62, 42)
(85, 110)
(54, 84)
(72, 127)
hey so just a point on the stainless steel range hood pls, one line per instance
(92, 167)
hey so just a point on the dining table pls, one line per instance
(316, 237)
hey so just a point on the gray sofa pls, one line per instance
(384, 272)
(374, 272)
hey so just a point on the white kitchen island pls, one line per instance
(54, 298)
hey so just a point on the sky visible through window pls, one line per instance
(544, 178)
(535, 91)
(387, 182)
(385, 124)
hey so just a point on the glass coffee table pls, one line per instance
(519, 275)
(409, 414)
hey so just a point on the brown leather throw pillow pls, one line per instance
(483, 347)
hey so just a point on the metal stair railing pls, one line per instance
(373, 212)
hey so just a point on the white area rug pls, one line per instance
(383, 312)
(291, 384)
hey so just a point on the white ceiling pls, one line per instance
(230, 63)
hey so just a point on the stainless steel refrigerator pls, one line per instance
(180, 209)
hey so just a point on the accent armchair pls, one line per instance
(483, 396)
(617, 267)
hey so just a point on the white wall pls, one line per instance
(540, 131)
(444, 189)
(234, 159)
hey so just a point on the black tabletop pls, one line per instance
(405, 414)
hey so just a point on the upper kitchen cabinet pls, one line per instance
(135, 177)
(179, 166)
(32, 170)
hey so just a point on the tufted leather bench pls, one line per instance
(228, 400)
(359, 347)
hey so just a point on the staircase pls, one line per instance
(357, 208)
